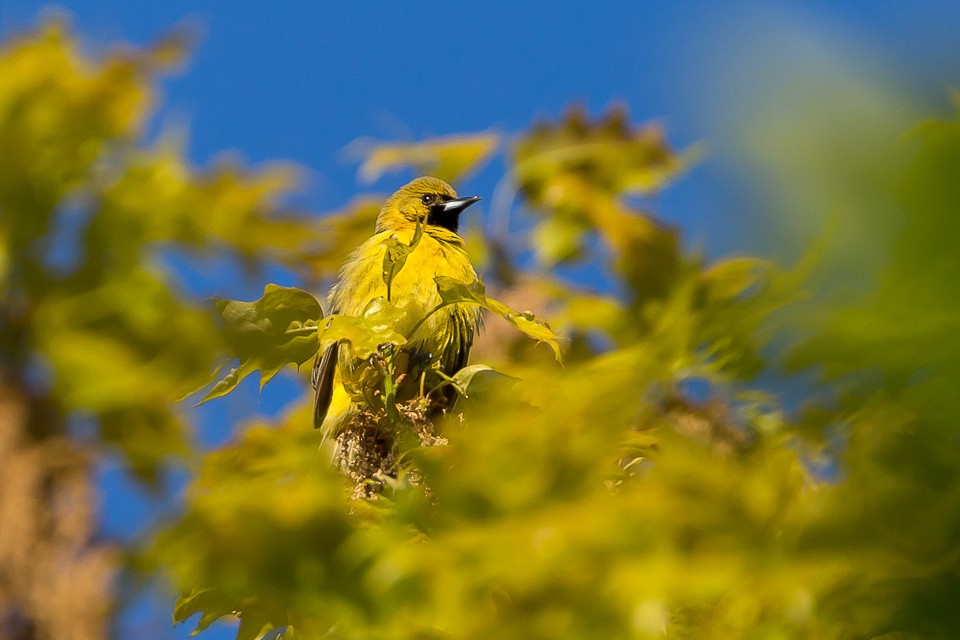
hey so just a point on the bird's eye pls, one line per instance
(428, 199)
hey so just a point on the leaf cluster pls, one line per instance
(654, 486)
(88, 318)
(650, 488)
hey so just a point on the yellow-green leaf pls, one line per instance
(365, 333)
(453, 291)
(267, 334)
(448, 158)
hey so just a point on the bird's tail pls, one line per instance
(341, 410)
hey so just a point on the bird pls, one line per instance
(444, 339)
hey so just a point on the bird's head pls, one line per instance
(430, 200)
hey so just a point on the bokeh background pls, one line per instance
(756, 88)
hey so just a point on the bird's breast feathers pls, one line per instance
(361, 279)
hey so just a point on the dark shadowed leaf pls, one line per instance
(256, 624)
(268, 334)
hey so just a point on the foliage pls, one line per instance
(603, 499)
(650, 486)
(87, 207)
(268, 334)
(96, 339)
(446, 158)
(563, 460)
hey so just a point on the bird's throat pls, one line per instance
(449, 220)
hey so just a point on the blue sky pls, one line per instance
(298, 81)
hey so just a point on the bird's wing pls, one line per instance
(463, 342)
(457, 353)
(323, 370)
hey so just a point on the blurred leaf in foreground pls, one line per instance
(449, 158)
(96, 340)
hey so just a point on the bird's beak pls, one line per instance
(458, 204)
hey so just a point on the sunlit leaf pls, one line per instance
(466, 375)
(655, 486)
(365, 333)
(448, 158)
(453, 291)
(395, 256)
(729, 278)
(558, 240)
(608, 154)
(227, 205)
(480, 380)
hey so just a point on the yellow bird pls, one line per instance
(445, 338)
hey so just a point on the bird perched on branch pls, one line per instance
(422, 218)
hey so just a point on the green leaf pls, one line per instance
(267, 334)
(529, 324)
(394, 258)
(448, 158)
(606, 154)
(229, 382)
(204, 602)
(453, 291)
(365, 333)
(463, 377)
(478, 378)
(396, 255)
(729, 278)
(255, 624)
(558, 239)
